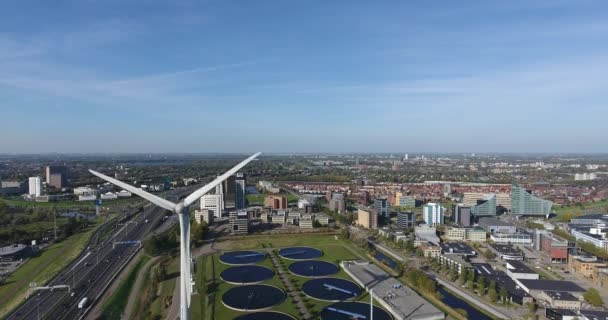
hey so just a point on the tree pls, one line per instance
(462, 277)
(470, 279)
(592, 296)
(492, 295)
(481, 285)
(503, 294)
(453, 275)
(198, 230)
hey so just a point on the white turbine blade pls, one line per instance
(200, 192)
(163, 203)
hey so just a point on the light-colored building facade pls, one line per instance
(214, 203)
(367, 218)
(513, 238)
(239, 222)
(584, 265)
(204, 215)
(405, 201)
(35, 186)
(433, 214)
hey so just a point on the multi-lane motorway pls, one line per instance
(90, 274)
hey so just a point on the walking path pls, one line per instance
(291, 292)
(133, 296)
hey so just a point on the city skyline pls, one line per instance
(146, 77)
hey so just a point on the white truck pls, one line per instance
(83, 303)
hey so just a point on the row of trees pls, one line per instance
(471, 281)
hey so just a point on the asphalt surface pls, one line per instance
(90, 273)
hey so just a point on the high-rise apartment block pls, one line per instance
(275, 202)
(213, 203)
(406, 220)
(240, 181)
(367, 218)
(433, 213)
(56, 176)
(381, 205)
(35, 186)
(461, 215)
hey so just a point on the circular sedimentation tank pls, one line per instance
(265, 315)
(300, 253)
(353, 310)
(313, 268)
(256, 297)
(246, 274)
(331, 289)
(242, 257)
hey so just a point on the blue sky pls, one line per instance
(303, 76)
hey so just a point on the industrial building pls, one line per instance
(401, 301)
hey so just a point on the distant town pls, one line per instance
(320, 236)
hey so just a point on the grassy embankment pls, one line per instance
(41, 269)
(115, 306)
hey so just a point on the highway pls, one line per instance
(90, 274)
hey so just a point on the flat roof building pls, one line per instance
(239, 222)
(367, 218)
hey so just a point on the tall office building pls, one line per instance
(56, 176)
(35, 186)
(213, 203)
(485, 207)
(219, 190)
(524, 203)
(275, 202)
(406, 220)
(367, 218)
(406, 201)
(240, 182)
(433, 213)
(461, 215)
(381, 205)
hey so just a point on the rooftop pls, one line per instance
(551, 285)
(561, 295)
(457, 248)
(518, 267)
(400, 299)
(594, 314)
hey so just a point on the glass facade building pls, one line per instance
(485, 207)
(524, 203)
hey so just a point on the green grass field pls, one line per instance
(258, 199)
(40, 269)
(71, 204)
(115, 306)
(209, 268)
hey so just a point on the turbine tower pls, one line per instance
(183, 213)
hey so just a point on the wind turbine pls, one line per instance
(183, 213)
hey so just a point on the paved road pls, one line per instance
(90, 274)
